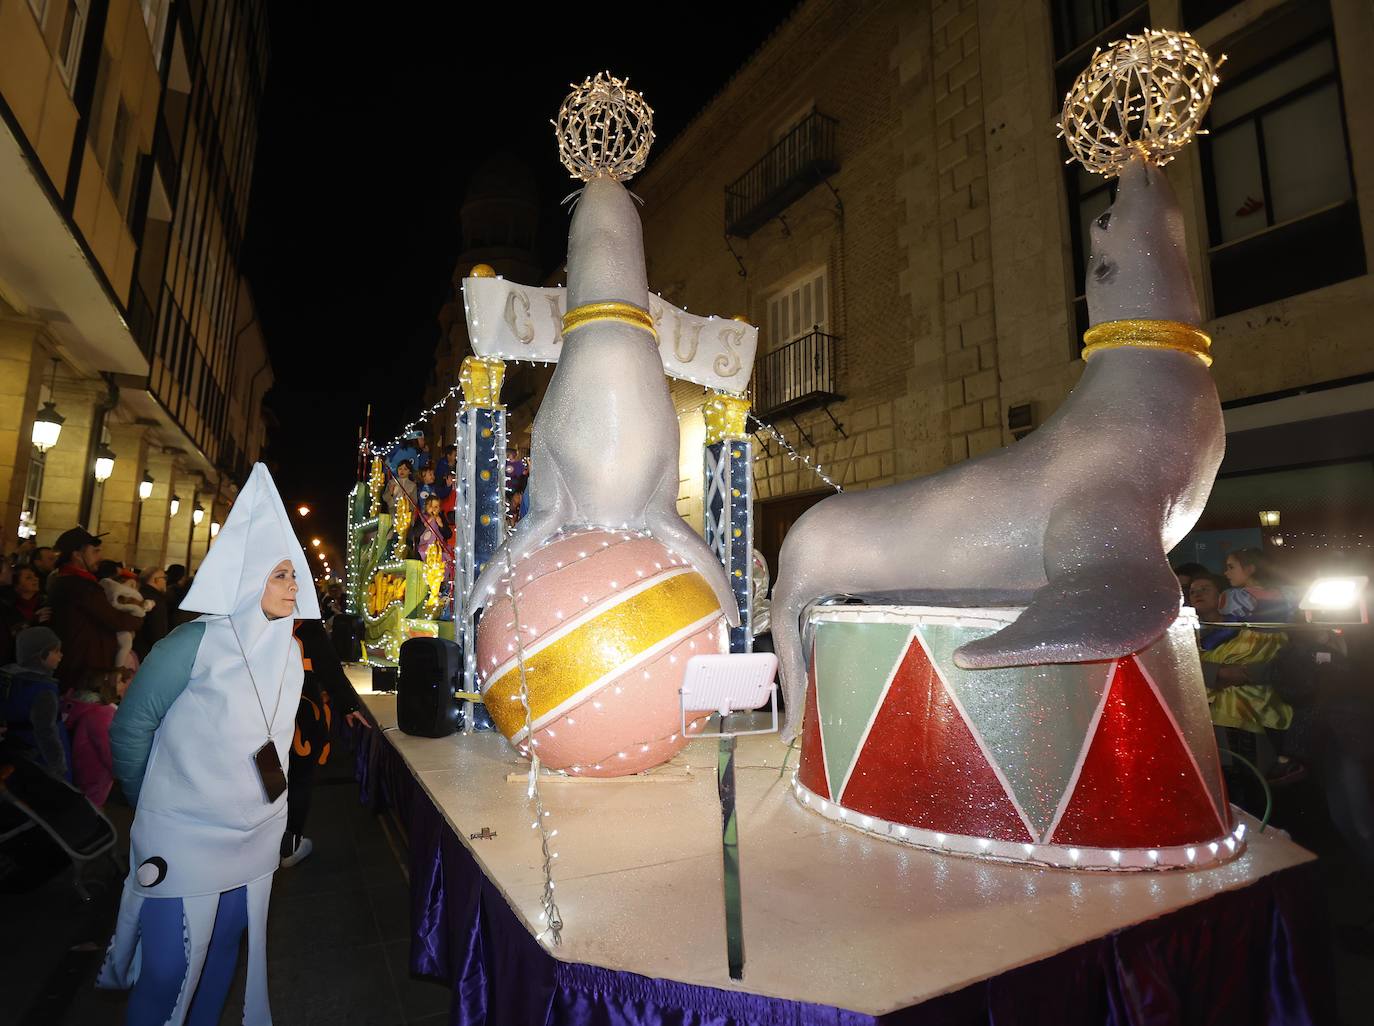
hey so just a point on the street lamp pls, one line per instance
(47, 426)
(197, 514)
(104, 463)
(145, 488)
(214, 528)
(174, 505)
(303, 510)
(315, 542)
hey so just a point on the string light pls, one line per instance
(793, 453)
(1144, 95)
(550, 913)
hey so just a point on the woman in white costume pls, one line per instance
(200, 745)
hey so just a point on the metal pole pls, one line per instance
(729, 838)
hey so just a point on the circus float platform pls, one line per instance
(840, 926)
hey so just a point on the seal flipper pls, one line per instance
(1110, 592)
(673, 532)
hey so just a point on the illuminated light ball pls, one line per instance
(609, 620)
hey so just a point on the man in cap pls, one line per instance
(81, 614)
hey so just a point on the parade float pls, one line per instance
(985, 705)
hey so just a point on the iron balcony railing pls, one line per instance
(800, 160)
(801, 373)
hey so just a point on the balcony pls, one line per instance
(800, 374)
(801, 160)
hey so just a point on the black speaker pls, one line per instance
(383, 678)
(431, 671)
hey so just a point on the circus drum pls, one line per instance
(1108, 765)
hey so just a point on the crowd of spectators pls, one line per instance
(73, 629)
(1289, 700)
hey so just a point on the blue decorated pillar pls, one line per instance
(729, 500)
(481, 482)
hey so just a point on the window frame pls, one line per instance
(68, 62)
(794, 284)
(1209, 184)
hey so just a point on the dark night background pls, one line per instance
(369, 130)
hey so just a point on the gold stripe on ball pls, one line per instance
(1142, 334)
(625, 313)
(590, 651)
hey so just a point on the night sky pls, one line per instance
(369, 129)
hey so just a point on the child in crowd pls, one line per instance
(427, 487)
(1251, 597)
(122, 591)
(29, 700)
(89, 714)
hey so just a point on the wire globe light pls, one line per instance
(604, 128)
(1144, 95)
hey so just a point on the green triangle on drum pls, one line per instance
(1032, 720)
(854, 665)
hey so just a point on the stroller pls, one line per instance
(43, 818)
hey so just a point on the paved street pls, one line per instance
(338, 942)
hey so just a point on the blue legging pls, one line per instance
(163, 966)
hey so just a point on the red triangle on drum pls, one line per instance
(1138, 785)
(922, 766)
(811, 773)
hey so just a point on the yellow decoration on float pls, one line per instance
(726, 417)
(612, 310)
(1145, 334)
(600, 644)
(481, 379)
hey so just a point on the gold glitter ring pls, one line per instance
(1142, 334)
(612, 310)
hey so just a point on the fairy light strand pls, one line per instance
(796, 456)
(550, 913)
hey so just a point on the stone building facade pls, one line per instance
(944, 232)
(128, 133)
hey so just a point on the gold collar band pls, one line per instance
(625, 313)
(1182, 338)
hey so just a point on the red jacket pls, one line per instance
(86, 622)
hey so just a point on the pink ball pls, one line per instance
(608, 620)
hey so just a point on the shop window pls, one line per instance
(1281, 210)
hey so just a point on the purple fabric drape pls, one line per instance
(1252, 956)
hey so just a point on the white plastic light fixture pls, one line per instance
(197, 514)
(174, 506)
(145, 487)
(214, 528)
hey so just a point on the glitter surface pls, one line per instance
(1139, 787)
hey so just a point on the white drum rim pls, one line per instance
(988, 617)
(1203, 855)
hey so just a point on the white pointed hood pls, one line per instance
(256, 536)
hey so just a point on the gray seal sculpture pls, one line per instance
(1075, 520)
(604, 446)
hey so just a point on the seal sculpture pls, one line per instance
(604, 446)
(1075, 520)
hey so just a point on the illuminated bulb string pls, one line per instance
(796, 456)
(550, 915)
